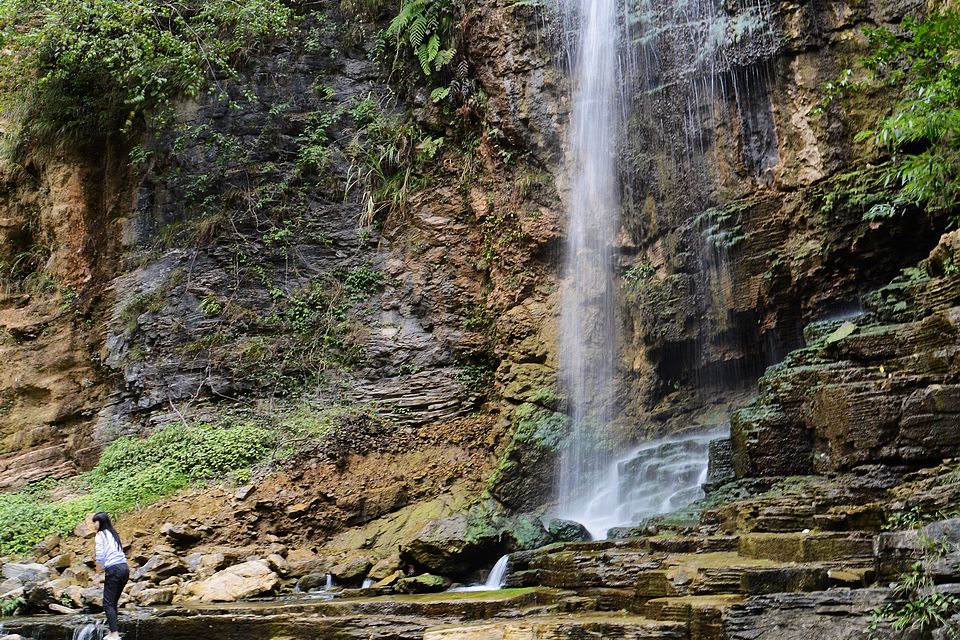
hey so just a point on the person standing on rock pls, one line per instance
(110, 556)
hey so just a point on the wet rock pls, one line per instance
(240, 581)
(567, 530)
(312, 581)
(424, 583)
(837, 613)
(529, 457)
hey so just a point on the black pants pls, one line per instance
(113, 584)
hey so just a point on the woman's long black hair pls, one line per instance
(106, 525)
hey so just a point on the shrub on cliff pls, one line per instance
(76, 69)
(922, 133)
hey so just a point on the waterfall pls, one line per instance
(91, 631)
(497, 575)
(587, 323)
(329, 581)
(367, 583)
(695, 65)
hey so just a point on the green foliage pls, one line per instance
(915, 518)
(10, 606)
(922, 134)
(77, 69)
(638, 273)
(389, 160)
(131, 472)
(423, 27)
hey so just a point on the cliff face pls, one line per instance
(236, 269)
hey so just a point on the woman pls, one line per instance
(110, 556)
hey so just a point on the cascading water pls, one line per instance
(587, 333)
(692, 62)
(92, 631)
(498, 575)
(658, 477)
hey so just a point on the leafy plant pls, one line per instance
(922, 608)
(423, 26)
(10, 606)
(132, 472)
(72, 70)
(922, 134)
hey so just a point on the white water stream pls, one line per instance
(498, 575)
(587, 324)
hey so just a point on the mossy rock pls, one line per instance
(518, 479)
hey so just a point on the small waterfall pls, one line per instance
(91, 631)
(498, 574)
(367, 583)
(329, 581)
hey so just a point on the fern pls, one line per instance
(422, 28)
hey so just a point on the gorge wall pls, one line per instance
(235, 270)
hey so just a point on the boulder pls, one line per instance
(60, 562)
(312, 581)
(84, 529)
(454, 546)
(240, 581)
(56, 607)
(278, 563)
(12, 636)
(304, 561)
(155, 597)
(385, 567)
(160, 566)
(180, 535)
(352, 569)
(92, 598)
(389, 580)
(205, 564)
(37, 596)
(78, 573)
(424, 583)
(25, 572)
(567, 530)
(47, 547)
